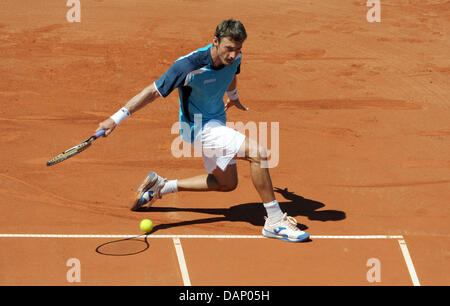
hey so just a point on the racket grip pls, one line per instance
(99, 133)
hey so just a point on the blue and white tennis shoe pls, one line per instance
(148, 191)
(286, 229)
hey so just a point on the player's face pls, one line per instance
(227, 50)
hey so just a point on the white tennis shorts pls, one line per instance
(220, 144)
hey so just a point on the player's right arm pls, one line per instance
(146, 96)
(173, 78)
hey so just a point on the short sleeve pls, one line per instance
(173, 78)
(238, 69)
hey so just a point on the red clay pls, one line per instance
(363, 115)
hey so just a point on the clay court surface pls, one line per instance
(364, 144)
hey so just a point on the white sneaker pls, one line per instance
(148, 191)
(286, 229)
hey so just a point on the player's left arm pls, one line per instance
(233, 97)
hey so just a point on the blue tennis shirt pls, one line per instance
(201, 88)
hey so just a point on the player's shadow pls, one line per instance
(254, 213)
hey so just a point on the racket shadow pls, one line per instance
(124, 247)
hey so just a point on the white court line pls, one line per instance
(180, 254)
(195, 236)
(182, 262)
(409, 263)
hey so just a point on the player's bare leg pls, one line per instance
(278, 224)
(257, 156)
(218, 180)
(227, 180)
(153, 186)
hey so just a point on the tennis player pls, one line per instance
(202, 78)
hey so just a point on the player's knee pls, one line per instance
(262, 152)
(258, 154)
(229, 186)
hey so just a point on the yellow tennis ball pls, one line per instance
(146, 225)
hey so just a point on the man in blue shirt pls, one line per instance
(201, 87)
(202, 78)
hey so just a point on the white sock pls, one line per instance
(170, 187)
(274, 213)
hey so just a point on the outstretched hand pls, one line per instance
(236, 103)
(108, 125)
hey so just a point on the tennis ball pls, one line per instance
(146, 225)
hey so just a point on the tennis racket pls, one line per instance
(75, 150)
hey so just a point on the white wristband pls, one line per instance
(233, 94)
(120, 116)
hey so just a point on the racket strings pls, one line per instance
(65, 155)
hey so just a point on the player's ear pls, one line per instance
(215, 41)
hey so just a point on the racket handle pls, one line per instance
(99, 133)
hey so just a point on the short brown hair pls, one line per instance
(231, 28)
